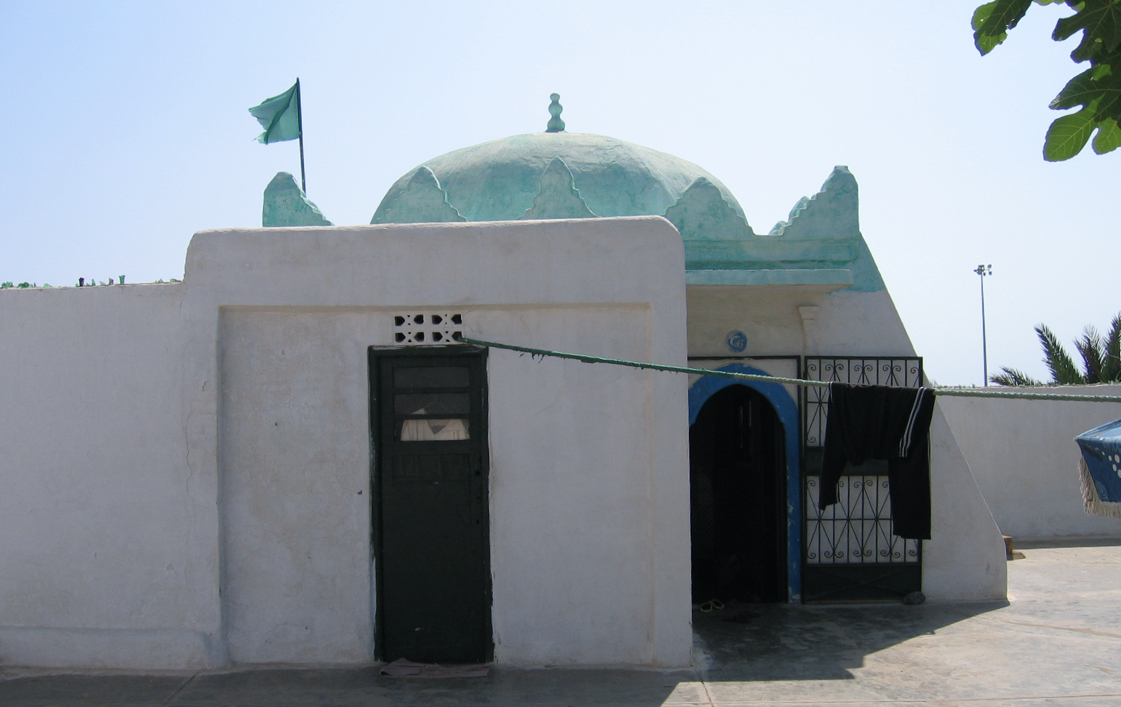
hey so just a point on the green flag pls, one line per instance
(279, 116)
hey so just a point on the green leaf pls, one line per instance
(1100, 23)
(985, 43)
(1068, 135)
(1112, 370)
(1080, 90)
(1013, 377)
(1092, 349)
(981, 14)
(992, 21)
(1098, 90)
(1063, 371)
(1108, 138)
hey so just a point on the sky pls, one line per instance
(126, 130)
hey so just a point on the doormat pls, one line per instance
(402, 668)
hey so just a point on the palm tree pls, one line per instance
(1101, 359)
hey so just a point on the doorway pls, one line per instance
(431, 529)
(737, 480)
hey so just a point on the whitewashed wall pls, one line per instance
(1025, 459)
(837, 323)
(108, 546)
(187, 473)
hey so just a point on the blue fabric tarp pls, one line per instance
(1101, 469)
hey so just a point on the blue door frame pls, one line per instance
(787, 411)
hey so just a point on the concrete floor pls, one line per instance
(1057, 642)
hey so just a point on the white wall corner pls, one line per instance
(965, 558)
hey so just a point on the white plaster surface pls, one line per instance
(1025, 460)
(844, 324)
(965, 558)
(296, 485)
(585, 513)
(108, 548)
(588, 433)
(186, 472)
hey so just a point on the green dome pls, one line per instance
(500, 180)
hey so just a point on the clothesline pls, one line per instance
(960, 392)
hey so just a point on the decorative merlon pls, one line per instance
(558, 196)
(831, 213)
(703, 214)
(823, 236)
(285, 204)
(422, 201)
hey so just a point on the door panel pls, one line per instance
(431, 475)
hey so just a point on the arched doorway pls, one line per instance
(737, 478)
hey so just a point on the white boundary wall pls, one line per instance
(1025, 459)
(108, 544)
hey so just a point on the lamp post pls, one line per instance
(984, 270)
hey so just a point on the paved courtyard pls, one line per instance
(1056, 642)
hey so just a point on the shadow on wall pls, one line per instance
(784, 642)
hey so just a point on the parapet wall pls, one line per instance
(1025, 459)
(108, 545)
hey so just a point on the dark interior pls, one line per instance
(737, 470)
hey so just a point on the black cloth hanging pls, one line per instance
(878, 422)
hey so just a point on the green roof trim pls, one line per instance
(823, 234)
(826, 280)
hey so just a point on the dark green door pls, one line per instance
(431, 505)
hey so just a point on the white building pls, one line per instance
(288, 458)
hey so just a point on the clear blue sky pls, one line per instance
(126, 130)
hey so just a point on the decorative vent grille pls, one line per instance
(427, 328)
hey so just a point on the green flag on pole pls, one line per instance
(282, 118)
(279, 116)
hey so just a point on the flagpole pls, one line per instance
(300, 124)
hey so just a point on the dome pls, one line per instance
(501, 179)
(556, 174)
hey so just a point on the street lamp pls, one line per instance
(984, 270)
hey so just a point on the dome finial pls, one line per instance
(556, 125)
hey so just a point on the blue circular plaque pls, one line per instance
(737, 341)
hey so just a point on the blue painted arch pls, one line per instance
(787, 411)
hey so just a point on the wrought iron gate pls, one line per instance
(849, 552)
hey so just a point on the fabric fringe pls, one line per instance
(1090, 498)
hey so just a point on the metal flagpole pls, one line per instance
(300, 125)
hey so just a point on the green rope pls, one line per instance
(1019, 395)
(959, 392)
